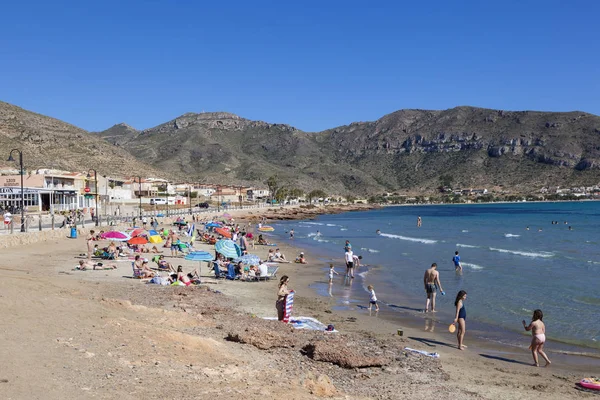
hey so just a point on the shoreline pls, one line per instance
(407, 314)
(113, 337)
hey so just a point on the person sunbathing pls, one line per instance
(85, 265)
(113, 254)
(279, 257)
(145, 271)
(262, 240)
(154, 249)
(187, 279)
(164, 264)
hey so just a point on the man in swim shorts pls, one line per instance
(431, 281)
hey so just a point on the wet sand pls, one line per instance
(99, 334)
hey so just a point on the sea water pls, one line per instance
(515, 260)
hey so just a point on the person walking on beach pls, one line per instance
(90, 244)
(372, 298)
(419, 221)
(349, 263)
(538, 337)
(431, 281)
(456, 261)
(282, 292)
(460, 318)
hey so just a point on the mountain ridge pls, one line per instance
(406, 150)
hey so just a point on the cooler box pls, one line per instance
(73, 233)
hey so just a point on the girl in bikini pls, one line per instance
(538, 331)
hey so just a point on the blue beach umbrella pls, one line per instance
(249, 259)
(212, 225)
(228, 248)
(199, 256)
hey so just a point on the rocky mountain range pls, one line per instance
(50, 143)
(406, 151)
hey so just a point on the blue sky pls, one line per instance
(312, 64)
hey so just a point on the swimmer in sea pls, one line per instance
(527, 228)
(378, 232)
(318, 233)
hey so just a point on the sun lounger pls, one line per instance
(271, 273)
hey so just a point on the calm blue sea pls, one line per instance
(508, 270)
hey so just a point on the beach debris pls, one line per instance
(423, 352)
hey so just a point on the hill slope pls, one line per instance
(49, 143)
(408, 149)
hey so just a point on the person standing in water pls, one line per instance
(461, 318)
(419, 221)
(291, 234)
(431, 281)
(538, 332)
(456, 261)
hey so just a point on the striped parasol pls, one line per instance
(249, 259)
(228, 248)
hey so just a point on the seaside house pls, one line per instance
(47, 190)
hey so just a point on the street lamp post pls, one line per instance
(190, 197)
(140, 194)
(96, 192)
(10, 158)
(167, 190)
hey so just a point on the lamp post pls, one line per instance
(140, 194)
(96, 191)
(10, 158)
(167, 190)
(190, 197)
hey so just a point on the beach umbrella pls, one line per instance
(226, 215)
(152, 232)
(136, 232)
(155, 239)
(138, 240)
(212, 225)
(180, 223)
(223, 232)
(249, 259)
(228, 248)
(199, 256)
(160, 215)
(116, 235)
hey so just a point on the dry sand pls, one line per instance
(99, 334)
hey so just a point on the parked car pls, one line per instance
(202, 205)
(158, 201)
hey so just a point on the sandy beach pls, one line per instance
(100, 334)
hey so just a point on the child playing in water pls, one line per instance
(331, 272)
(373, 298)
(538, 337)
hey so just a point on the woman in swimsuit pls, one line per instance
(282, 292)
(538, 338)
(461, 317)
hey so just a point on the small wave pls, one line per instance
(312, 234)
(466, 246)
(426, 241)
(509, 235)
(472, 266)
(320, 240)
(524, 253)
(332, 225)
(369, 250)
(343, 229)
(464, 231)
(592, 301)
(312, 223)
(527, 310)
(363, 274)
